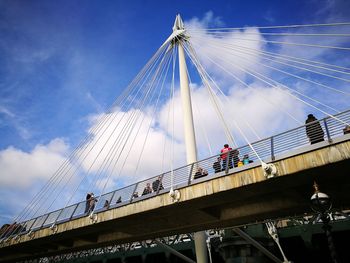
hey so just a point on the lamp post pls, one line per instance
(322, 204)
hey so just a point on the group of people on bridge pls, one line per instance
(157, 185)
(228, 159)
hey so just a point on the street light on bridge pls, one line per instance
(321, 204)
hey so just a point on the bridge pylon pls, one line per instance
(190, 138)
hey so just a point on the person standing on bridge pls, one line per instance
(217, 165)
(87, 205)
(226, 156)
(313, 129)
(92, 202)
(147, 189)
(157, 184)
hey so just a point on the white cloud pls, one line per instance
(20, 169)
(219, 54)
(23, 174)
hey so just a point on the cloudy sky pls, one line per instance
(63, 64)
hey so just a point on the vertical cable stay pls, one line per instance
(235, 65)
(227, 129)
(154, 113)
(256, 75)
(220, 33)
(205, 80)
(248, 86)
(138, 131)
(169, 106)
(34, 206)
(292, 59)
(291, 43)
(220, 90)
(122, 167)
(303, 61)
(229, 47)
(95, 159)
(280, 26)
(172, 88)
(293, 90)
(277, 83)
(130, 124)
(149, 126)
(112, 154)
(305, 69)
(200, 117)
(57, 178)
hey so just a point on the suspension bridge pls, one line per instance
(261, 177)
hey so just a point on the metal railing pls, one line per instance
(267, 149)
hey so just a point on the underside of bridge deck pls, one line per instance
(229, 200)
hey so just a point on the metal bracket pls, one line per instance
(271, 228)
(17, 238)
(31, 234)
(93, 217)
(54, 228)
(270, 170)
(175, 195)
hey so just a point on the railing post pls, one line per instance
(110, 199)
(272, 149)
(228, 157)
(327, 130)
(133, 192)
(75, 209)
(47, 216)
(31, 227)
(190, 175)
(160, 183)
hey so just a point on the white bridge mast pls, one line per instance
(190, 138)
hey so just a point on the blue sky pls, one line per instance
(63, 61)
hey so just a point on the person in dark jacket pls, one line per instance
(92, 201)
(313, 129)
(217, 165)
(147, 189)
(200, 173)
(157, 184)
(87, 204)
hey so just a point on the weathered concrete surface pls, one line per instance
(239, 198)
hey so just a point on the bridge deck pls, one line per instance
(240, 197)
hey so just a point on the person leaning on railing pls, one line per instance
(200, 173)
(313, 129)
(92, 201)
(217, 165)
(147, 189)
(157, 184)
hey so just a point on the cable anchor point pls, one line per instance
(271, 228)
(93, 217)
(175, 195)
(31, 234)
(54, 228)
(270, 170)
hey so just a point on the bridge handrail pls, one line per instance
(267, 149)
